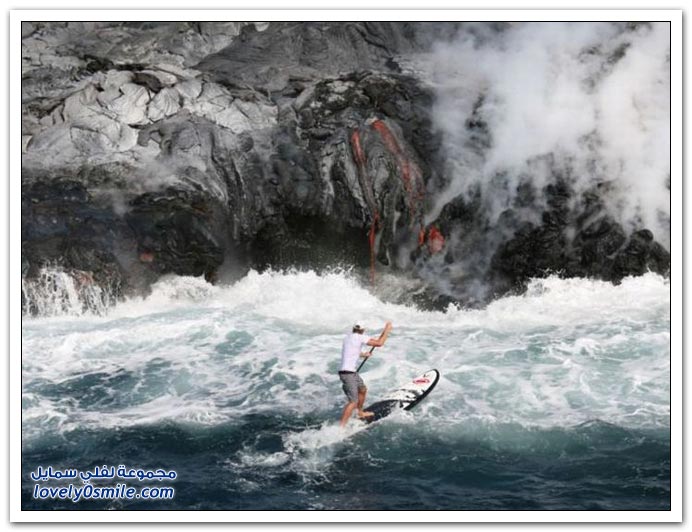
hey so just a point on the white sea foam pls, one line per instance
(566, 352)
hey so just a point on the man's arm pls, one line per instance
(379, 342)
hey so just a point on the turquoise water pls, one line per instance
(557, 399)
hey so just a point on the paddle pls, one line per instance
(361, 364)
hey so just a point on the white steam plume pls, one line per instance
(594, 96)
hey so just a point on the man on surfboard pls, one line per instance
(353, 385)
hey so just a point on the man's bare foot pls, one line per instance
(364, 414)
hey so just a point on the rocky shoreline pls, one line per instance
(207, 149)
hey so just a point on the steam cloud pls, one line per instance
(593, 98)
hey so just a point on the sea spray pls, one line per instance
(57, 291)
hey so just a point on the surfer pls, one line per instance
(353, 385)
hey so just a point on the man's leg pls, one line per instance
(348, 410)
(350, 387)
(362, 392)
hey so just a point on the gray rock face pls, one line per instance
(210, 148)
(284, 53)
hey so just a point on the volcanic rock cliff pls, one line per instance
(212, 148)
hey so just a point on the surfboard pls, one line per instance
(404, 397)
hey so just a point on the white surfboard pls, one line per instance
(404, 397)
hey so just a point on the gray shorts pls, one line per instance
(351, 384)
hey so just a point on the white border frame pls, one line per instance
(674, 515)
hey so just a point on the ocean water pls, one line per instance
(558, 399)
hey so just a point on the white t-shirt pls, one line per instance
(351, 349)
